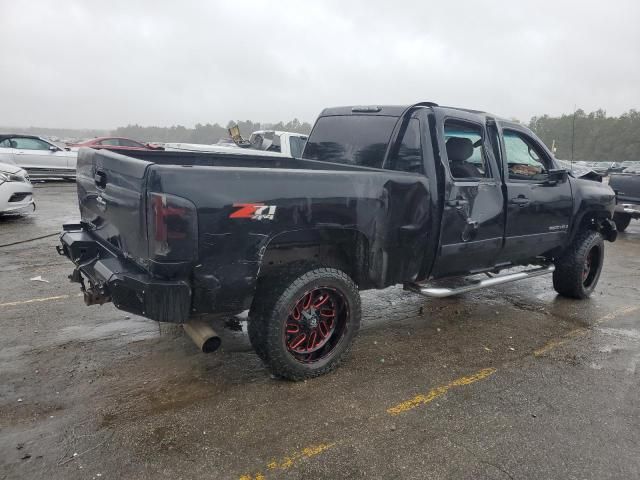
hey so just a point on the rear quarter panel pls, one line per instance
(374, 203)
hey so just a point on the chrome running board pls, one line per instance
(439, 292)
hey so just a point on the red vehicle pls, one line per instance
(113, 143)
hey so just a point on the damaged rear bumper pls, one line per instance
(112, 278)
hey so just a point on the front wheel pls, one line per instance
(578, 269)
(304, 327)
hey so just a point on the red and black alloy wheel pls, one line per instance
(303, 325)
(316, 324)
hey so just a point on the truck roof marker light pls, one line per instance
(366, 109)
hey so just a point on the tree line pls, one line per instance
(591, 136)
(208, 133)
(584, 136)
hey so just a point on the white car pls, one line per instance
(16, 191)
(271, 143)
(37, 156)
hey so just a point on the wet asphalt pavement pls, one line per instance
(506, 383)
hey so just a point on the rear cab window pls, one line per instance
(363, 140)
(350, 139)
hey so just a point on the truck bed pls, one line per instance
(239, 205)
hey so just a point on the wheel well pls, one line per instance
(346, 250)
(598, 222)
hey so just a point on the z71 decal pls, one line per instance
(254, 211)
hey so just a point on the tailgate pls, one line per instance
(111, 193)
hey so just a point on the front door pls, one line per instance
(538, 211)
(35, 154)
(473, 216)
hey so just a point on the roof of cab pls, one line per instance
(11, 135)
(393, 110)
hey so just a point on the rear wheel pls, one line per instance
(578, 270)
(304, 327)
(622, 221)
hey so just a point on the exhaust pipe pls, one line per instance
(205, 337)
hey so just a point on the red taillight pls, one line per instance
(172, 223)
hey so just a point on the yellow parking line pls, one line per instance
(36, 300)
(617, 313)
(288, 461)
(424, 399)
(439, 391)
(561, 341)
(581, 331)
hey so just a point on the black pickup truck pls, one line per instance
(382, 196)
(626, 186)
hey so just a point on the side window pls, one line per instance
(6, 143)
(525, 159)
(408, 156)
(111, 142)
(130, 143)
(25, 143)
(465, 150)
(275, 144)
(297, 146)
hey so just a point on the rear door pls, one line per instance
(473, 216)
(538, 212)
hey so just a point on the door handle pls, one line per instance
(458, 203)
(520, 200)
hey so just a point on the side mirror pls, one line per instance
(557, 175)
(53, 148)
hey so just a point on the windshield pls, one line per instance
(351, 139)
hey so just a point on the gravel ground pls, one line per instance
(511, 382)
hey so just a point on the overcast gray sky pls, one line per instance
(102, 64)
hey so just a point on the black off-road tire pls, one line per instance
(622, 221)
(572, 278)
(262, 302)
(275, 299)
